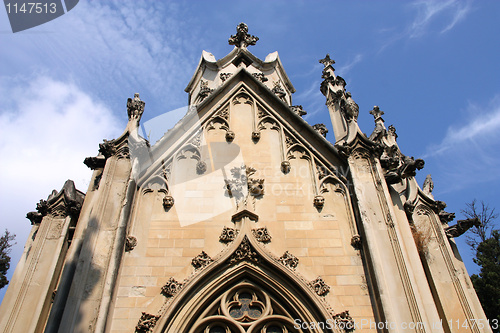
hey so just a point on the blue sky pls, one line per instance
(431, 66)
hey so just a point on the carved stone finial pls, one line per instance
(327, 61)
(278, 90)
(428, 185)
(135, 107)
(242, 38)
(348, 107)
(319, 286)
(376, 113)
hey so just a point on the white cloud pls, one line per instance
(429, 14)
(346, 68)
(470, 149)
(48, 128)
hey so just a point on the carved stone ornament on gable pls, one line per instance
(321, 129)
(228, 235)
(244, 251)
(262, 235)
(260, 76)
(444, 216)
(146, 323)
(242, 38)
(278, 90)
(135, 107)
(356, 242)
(204, 90)
(289, 260)
(171, 287)
(297, 109)
(241, 185)
(225, 76)
(319, 286)
(319, 201)
(201, 260)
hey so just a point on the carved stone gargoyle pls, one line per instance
(461, 227)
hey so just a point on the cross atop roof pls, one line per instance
(327, 61)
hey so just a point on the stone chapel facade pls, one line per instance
(244, 218)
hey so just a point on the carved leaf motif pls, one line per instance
(171, 287)
(244, 251)
(289, 260)
(201, 260)
(262, 235)
(228, 235)
(146, 323)
(319, 286)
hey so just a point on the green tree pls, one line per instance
(487, 283)
(5, 247)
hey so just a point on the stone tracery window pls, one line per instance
(245, 308)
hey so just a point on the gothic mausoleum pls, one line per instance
(245, 218)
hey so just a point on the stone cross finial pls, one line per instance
(376, 113)
(242, 38)
(327, 61)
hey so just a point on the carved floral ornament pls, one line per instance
(262, 235)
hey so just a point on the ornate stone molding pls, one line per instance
(262, 235)
(130, 243)
(171, 287)
(242, 39)
(146, 323)
(244, 251)
(319, 286)
(201, 260)
(289, 260)
(135, 107)
(228, 235)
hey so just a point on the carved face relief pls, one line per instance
(230, 135)
(285, 166)
(319, 201)
(256, 186)
(255, 135)
(201, 167)
(168, 201)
